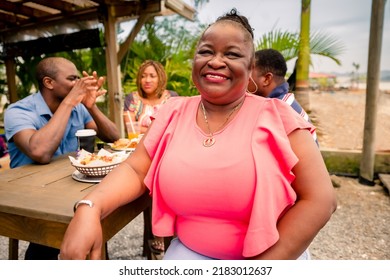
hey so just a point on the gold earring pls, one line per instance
(256, 87)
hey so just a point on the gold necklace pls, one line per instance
(210, 140)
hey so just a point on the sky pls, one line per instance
(346, 20)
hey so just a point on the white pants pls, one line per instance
(178, 251)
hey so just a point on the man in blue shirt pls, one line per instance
(268, 80)
(43, 125)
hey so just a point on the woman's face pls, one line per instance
(149, 80)
(222, 63)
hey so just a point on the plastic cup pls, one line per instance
(86, 139)
(133, 130)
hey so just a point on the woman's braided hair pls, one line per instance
(243, 23)
(234, 16)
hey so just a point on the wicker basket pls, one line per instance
(96, 171)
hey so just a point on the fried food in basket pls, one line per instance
(94, 157)
(124, 143)
(102, 158)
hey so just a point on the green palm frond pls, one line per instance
(326, 45)
(287, 43)
(283, 41)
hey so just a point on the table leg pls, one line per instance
(147, 214)
(13, 249)
(105, 252)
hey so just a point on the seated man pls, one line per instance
(269, 80)
(43, 125)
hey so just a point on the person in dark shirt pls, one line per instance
(268, 80)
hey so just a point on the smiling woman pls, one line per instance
(193, 157)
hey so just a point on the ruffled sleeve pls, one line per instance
(274, 160)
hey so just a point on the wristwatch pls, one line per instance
(83, 201)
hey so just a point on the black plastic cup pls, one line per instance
(86, 139)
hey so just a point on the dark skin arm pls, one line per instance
(315, 203)
(124, 184)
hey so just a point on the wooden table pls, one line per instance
(36, 205)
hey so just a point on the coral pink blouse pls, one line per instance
(222, 201)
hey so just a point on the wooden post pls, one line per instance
(113, 71)
(366, 175)
(10, 69)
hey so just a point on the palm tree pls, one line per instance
(303, 61)
(302, 46)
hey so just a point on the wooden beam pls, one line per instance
(124, 47)
(181, 8)
(47, 21)
(122, 10)
(21, 9)
(58, 5)
(89, 38)
(113, 73)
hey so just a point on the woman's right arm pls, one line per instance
(124, 184)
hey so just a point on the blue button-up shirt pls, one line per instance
(32, 112)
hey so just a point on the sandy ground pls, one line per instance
(340, 117)
(358, 230)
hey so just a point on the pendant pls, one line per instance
(208, 142)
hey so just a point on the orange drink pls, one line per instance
(133, 129)
(132, 135)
